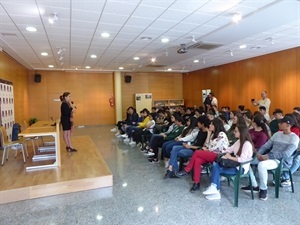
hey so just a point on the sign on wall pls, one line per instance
(7, 113)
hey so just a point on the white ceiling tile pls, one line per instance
(150, 12)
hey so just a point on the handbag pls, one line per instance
(226, 163)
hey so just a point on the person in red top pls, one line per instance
(296, 128)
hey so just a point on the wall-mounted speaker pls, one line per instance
(127, 79)
(37, 78)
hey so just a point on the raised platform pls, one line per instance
(83, 170)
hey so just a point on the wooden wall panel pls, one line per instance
(12, 71)
(89, 91)
(161, 85)
(237, 83)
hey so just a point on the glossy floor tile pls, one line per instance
(140, 196)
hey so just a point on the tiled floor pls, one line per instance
(141, 196)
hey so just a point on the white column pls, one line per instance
(118, 95)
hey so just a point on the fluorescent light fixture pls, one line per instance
(236, 17)
(61, 58)
(165, 40)
(121, 68)
(88, 67)
(44, 53)
(146, 38)
(31, 29)
(105, 35)
(196, 61)
(50, 66)
(243, 46)
(136, 58)
(93, 56)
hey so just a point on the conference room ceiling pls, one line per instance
(136, 28)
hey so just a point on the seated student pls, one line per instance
(198, 113)
(231, 117)
(156, 137)
(139, 135)
(296, 110)
(216, 142)
(285, 177)
(243, 152)
(226, 112)
(277, 115)
(280, 146)
(211, 115)
(154, 113)
(238, 119)
(241, 109)
(188, 113)
(187, 149)
(170, 136)
(225, 123)
(141, 125)
(262, 109)
(248, 117)
(189, 134)
(131, 120)
(259, 132)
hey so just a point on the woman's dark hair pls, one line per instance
(219, 127)
(64, 95)
(146, 111)
(240, 120)
(223, 118)
(204, 120)
(248, 114)
(193, 124)
(244, 136)
(259, 121)
(297, 116)
(294, 118)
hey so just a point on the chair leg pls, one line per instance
(277, 183)
(250, 182)
(22, 149)
(3, 156)
(236, 191)
(291, 179)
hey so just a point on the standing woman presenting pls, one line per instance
(66, 119)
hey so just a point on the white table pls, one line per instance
(41, 129)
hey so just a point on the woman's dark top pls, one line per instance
(65, 118)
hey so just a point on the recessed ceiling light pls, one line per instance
(93, 56)
(87, 67)
(121, 68)
(243, 46)
(236, 17)
(196, 61)
(50, 66)
(153, 59)
(136, 58)
(105, 35)
(170, 69)
(165, 40)
(44, 53)
(31, 29)
(146, 38)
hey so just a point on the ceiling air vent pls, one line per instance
(155, 65)
(205, 46)
(9, 35)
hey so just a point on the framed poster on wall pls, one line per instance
(7, 114)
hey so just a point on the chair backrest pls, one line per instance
(4, 137)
